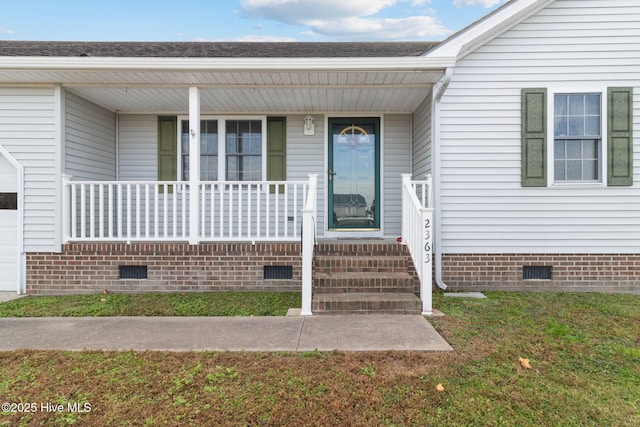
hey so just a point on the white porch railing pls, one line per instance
(160, 211)
(417, 232)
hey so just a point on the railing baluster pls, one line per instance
(156, 195)
(240, 186)
(128, 212)
(83, 212)
(221, 188)
(110, 218)
(249, 198)
(277, 212)
(137, 211)
(74, 214)
(185, 194)
(165, 219)
(146, 211)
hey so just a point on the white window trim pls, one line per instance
(222, 152)
(602, 90)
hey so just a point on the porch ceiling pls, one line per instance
(232, 91)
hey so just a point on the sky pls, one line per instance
(238, 20)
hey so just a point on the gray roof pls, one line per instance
(214, 49)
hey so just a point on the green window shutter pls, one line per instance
(534, 137)
(276, 150)
(167, 148)
(620, 136)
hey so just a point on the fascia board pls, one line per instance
(419, 63)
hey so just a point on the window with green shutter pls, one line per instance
(578, 145)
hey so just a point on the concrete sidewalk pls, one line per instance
(291, 333)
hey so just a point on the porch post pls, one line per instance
(194, 165)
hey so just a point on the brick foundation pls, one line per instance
(171, 267)
(572, 272)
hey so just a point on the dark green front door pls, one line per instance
(354, 173)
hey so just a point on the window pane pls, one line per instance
(576, 105)
(560, 170)
(574, 150)
(185, 168)
(592, 104)
(560, 107)
(589, 149)
(590, 170)
(576, 126)
(592, 126)
(574, 170)
(561, 126)
(232, 168)
(209, 168)
(560, 149)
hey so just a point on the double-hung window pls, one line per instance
(230, 149)
(577, 147)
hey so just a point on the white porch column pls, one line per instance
(194, 165)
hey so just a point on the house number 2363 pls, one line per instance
(427, 240)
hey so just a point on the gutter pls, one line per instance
(438, 91)
(405, 64)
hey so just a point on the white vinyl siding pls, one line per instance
(28, 131)
(90, 134)
(396, 160)
(138, 147)
(570, 46)
(305, 155)
(421, 144)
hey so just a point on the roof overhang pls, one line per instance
(236, 85)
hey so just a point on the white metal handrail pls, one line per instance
(417, 232)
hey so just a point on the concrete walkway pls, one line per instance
(291, 333)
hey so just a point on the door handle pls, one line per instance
(331, 174)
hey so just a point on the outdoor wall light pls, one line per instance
(309, 127)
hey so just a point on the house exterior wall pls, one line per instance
(421, 139)
(29, 130)
(90, 140)
(572, 46)
(396, 161)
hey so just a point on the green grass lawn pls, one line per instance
(154, 304)
(584, 350)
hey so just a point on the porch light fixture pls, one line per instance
(309, 127)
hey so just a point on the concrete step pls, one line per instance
(366, 303)
(359, 282)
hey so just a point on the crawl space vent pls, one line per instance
(278, 272)
(539, 272)
(133, 271)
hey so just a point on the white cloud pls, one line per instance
(483, 3)
(300, 11)
(421, 27)
(348, 19)
(7, 32)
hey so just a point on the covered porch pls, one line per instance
(123, 181)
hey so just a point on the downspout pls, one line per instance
(438, 91)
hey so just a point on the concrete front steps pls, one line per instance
(363, 277)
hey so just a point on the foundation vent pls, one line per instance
(281, 272)
(536, 272)
(133, 271)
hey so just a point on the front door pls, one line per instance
(354, 174)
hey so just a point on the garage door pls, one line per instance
(9, 253)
